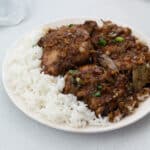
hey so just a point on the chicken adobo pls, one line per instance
(106, 66)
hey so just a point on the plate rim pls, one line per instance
(35, 117)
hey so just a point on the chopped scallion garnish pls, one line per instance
(73, 71)
(102, 42)
(99, 87)
(70, 25)
(97, 94)
(119, 39)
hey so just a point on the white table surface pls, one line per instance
(18, 132)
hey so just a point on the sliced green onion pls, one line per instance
(99, 87)
(102, 42)
(119, 39)
(73, 71)
(97, 94)
(70, 25)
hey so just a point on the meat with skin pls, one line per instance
(122, 47)
(96, 86)
(106, 67)
(66, 47)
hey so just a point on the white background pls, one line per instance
(18, 132)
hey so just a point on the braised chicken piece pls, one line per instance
(101, 89)
(120, 46)
(116, 48)
(84, 81)
(105, 66)
(66, 47)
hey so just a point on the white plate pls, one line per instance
(139, 113)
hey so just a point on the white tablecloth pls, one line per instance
(18, 132)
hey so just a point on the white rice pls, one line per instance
(41, 93)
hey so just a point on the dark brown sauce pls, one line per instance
(106, 67)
